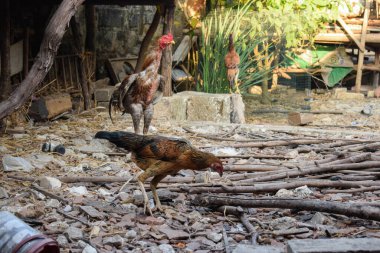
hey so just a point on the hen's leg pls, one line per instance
(136, 111)
(236, 82)
(153, 187)
(141, 179)
(148, 115)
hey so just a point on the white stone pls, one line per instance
(104, 192)
(78, 190)
(54, 203)
(166, 248)
(67, 208)
(12, 163)
(50, 182)
(74, 233)
(215, 237)
(89, 249)
(131, 234)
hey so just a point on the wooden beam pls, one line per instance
(342, 38)
(350, 33)
(45, 58)
(359, 72)
(79, 48)
(167, 55)
(5, 49)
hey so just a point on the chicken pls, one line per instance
(231, 61)
(138, 92)
(160, 156)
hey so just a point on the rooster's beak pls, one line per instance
(220, 173)
(172, 42)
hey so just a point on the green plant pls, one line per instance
(215, 30)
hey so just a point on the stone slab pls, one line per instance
(244, 248)
(339, 245)
(199, 106)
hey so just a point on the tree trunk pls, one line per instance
(5, 24)
(45, 58)
(145, 43)
(81, 68)
(167, 56)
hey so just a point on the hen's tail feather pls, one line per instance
(126, 140)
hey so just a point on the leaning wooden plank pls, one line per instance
(183, 49)
(338, 245)
(359, 72)
(350, 33)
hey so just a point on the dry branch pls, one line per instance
(324, 168)
(360, 211)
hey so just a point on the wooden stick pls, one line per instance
(251, 229)
(348, 209)
(274, 143)
(362, 189)
(49, 194)
(287, 111)
(273, 187)
(322, 168)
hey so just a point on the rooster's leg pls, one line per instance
(148, 115)
(136, 113)
(153, 187)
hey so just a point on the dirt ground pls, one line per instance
(85, 216)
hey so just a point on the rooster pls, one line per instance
(160, 156)
(138, 92)
(231, 61)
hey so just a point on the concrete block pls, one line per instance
(198, 106)
(208, 107)
(244, 248)
(339, 90)
(349, 96)
(48, 107)
(104, 94)
(339, 245)
(370, 94)
(299, 119)
(102, 104)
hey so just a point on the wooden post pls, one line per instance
(90, 27)
(45, 58)
(147, 38)
(25, 52)
(5, 49)
(167, 56)
(81, 68)
(375, 81)
(359, 72)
